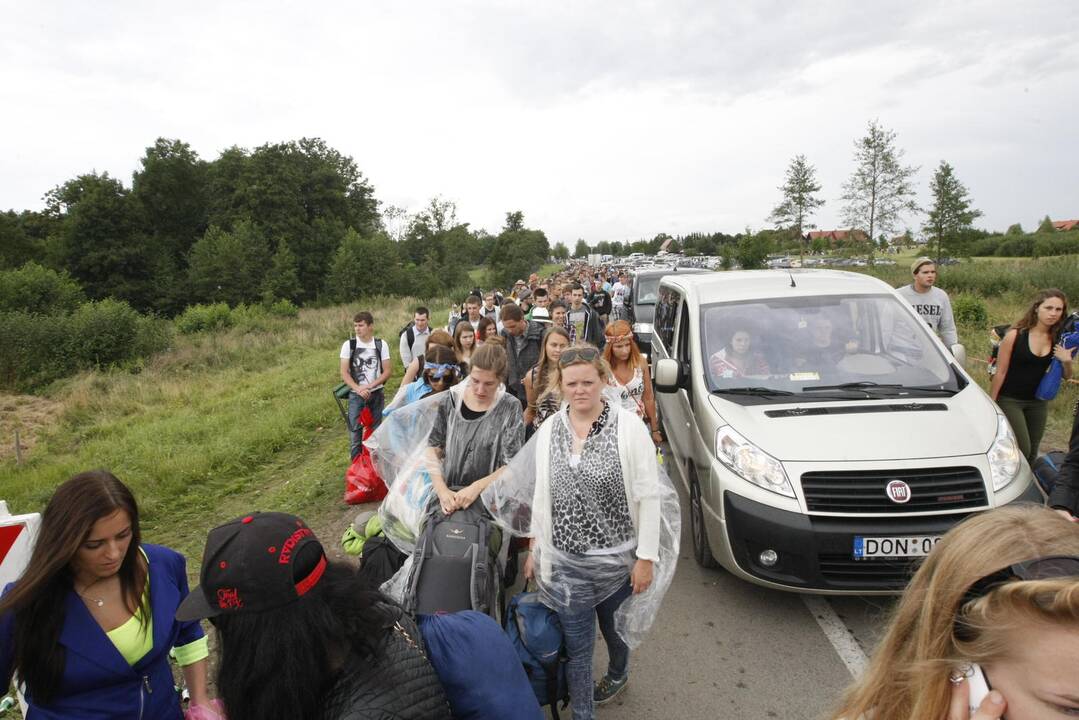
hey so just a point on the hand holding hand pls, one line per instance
(447, 499)
(529, 568)
(641, 577)
(209, 710)
(466, 496)
(1065, 514)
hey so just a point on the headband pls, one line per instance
(440, 370)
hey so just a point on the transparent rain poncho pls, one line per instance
(472, 449)
(592, 518)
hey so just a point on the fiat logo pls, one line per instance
(898, 491)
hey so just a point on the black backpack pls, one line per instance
(455, 563)
(410, 331)
(352, 355)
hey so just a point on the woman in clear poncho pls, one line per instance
(451, 445)
(604, 522)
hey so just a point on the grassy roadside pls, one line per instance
(220, 424)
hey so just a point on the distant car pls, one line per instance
(949, 261)
(642, 302)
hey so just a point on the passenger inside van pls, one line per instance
(738, 357)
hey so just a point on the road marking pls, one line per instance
(842, 639)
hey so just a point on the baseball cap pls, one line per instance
(250, 565)
(919, 262)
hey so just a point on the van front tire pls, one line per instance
(702, 551)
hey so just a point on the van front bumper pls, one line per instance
(816, 553)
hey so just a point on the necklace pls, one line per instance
(98, 601)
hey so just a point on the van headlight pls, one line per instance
(1003, 455)
(750, 462)
(642, 328)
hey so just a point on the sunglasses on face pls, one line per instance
(574, 355)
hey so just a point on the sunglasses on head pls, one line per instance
(578, 354)
(437, 371)
(1046, 568)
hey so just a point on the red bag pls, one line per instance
(362, 483)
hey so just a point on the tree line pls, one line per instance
(293, 221)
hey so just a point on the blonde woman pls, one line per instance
(1001, 591)
(541, 388)
(629, 373)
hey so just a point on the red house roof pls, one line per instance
(1065, 225)
(835, 236)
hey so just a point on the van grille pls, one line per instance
(863, 491)
(874, 574)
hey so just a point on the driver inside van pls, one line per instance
(823, 347)
(738, 358)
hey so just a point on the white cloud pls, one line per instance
(602, 120)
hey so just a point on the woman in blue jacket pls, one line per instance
(88, 627)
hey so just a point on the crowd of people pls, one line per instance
(541, 408)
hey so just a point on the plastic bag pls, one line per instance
(215, 710)
(362, 483)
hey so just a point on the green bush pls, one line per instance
(969, 310)
(250, 318)
(200, 318)
(102, 333)
(32, 352)
(152, 335)
(36, 289)
(284, 308)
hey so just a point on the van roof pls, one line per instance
(749, 284)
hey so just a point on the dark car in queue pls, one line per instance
(642, 302)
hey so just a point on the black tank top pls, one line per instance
(1025, 370)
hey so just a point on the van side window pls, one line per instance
(683, 335)
(666, 309)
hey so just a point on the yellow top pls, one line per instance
(133, 643)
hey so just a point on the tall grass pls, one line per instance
(222, 423)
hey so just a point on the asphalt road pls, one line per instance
(723, 648)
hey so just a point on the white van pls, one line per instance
(825, 436)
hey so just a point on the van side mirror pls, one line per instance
(668, 375)
(960, 354)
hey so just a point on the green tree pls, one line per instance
(951, 215)
(99, 239)
(515, 221)
(363, 267)
(752, 250)
(282, 281)
(581, 250)
(228, 266)
(1046, 225)
(881, 189)
(516, 253)
(16, 246)
(171, 191)
(560, 251)
(799, 200)
(1015, 230)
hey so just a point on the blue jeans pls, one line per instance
(579, 631)
(356, 404)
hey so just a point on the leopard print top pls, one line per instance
(590, 511)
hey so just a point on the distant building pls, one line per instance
(836, 238)
(1065, 225)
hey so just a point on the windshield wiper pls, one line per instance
(868, 386)
(862, 385)
(751, 391)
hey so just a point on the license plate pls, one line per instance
(905, 546)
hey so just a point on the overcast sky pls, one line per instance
(600, 120)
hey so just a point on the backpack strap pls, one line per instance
(378, 353)
(351, 356)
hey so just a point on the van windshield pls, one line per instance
(823, 346)
(647, 289)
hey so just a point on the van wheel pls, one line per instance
(702, 551)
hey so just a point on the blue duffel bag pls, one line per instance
(479, 669)
(536, 634)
